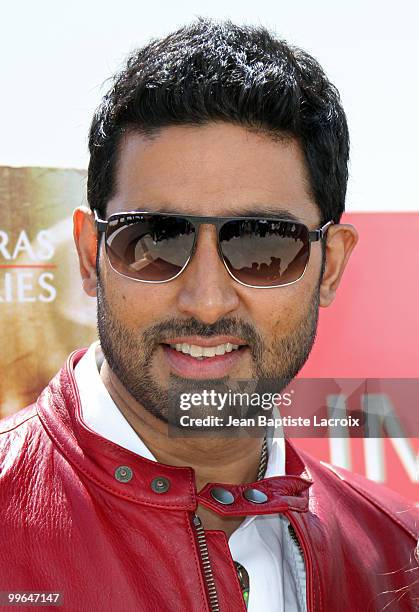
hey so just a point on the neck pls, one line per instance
(214, 459)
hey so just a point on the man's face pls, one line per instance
(222, 170)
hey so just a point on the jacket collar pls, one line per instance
(98, 459)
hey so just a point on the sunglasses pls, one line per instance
(257, 252)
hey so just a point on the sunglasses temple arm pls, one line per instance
(318, 234)
(100, 223)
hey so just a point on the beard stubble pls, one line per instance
(130, 356)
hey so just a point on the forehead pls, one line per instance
(216, 169)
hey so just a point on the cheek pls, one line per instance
(279, 312)
(137, 305)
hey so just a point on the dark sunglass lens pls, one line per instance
(265, 252)
(149, 247)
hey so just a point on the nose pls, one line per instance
(207, 291)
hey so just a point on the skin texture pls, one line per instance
(218, 169)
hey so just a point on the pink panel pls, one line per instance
(372, 328)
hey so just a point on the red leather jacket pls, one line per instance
(68, 524)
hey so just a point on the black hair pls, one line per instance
(218, 71)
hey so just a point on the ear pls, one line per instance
(85, 238)
(341, 240)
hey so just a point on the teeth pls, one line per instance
(195, 351)
(209, 351)
(200, 352)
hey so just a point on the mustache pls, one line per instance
(160, 332)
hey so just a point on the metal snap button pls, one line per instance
(255, 496)
(160, 484)
(222, 496)
(123, 473)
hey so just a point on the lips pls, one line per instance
(210, 358)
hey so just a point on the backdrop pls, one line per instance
(370, 331)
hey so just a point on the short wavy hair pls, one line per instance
(217, 71)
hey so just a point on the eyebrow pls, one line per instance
(265, 212)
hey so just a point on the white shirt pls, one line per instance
(261, 543)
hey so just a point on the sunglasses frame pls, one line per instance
(196, 221)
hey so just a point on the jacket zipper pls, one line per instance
(299, 563)
(295, 531)
(293, 535)
(206, 564)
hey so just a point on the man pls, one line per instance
(216, 185)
